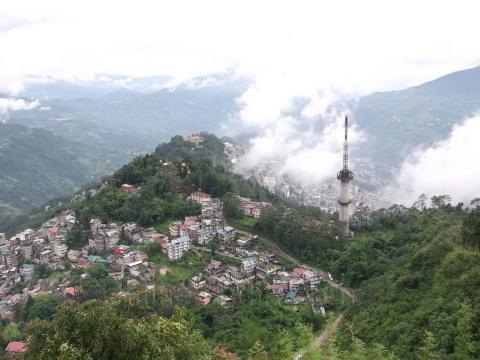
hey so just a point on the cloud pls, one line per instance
(449, 167)
(295, 148)
(7, 105)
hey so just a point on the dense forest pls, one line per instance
(415, 272)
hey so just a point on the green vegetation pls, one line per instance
(306, 233)
(97, 330)
(231, 206)
(151, 325)
(37, 166)
(257, 318)
(417, 283)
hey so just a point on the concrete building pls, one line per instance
(177, 247)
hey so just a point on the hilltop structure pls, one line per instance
(345, 176)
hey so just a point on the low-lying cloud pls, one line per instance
(8, 104)
(448, 167)
(295, 148)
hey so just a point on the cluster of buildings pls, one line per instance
(216, 277)
(105, 237)
(20, 254)
(294, 285)
(253, 208)
(195, 139)
(195, 230)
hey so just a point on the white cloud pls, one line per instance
(313, 50)
(7, 105)
(449, 167)
(309, 157)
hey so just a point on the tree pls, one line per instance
(76, 238)
(427, 350)
(41, 307)
(440, 201)
(94, 330)
(231, 206)
(464, 345)
(421, 202)
(220, 354)
(471, 229)
(257, 352)
(475, 202)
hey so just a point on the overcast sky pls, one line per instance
(318, 50)
(353, 46)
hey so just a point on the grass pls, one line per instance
(183, 269)
(284, 263)
(162, 227)
(57, 275)
(245, 223)
(228, 260)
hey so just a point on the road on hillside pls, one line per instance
(324, 337)
(348, 292)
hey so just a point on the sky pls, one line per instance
(347, 45)
(317, 50)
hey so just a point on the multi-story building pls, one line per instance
(177, 247)
(59, 246)
(313, 279)
(197, 282)
(27, 271)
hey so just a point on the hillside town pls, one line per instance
(119, 248)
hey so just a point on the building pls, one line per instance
(264, 269)
(248, 264)
(200, 197)
(223, 300)
(16, 347)
(177, 247)
(27, 271)
(252, 208)
(73, 255)
(195, 139)
(313, 279)
(203, 298)
(130, 189)
(278, 289)
(59, 246)
(197, 282)
(345, 176)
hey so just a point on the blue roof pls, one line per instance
(291, 295)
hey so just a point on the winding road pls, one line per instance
(324, 337)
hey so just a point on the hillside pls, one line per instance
(415, 274)
(37, 166)
(418, 116)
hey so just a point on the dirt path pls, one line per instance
(324, 337)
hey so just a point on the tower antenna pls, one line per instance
(345, 176)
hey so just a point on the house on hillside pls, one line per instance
(130, 189)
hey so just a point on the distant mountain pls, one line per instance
(84, 138)
(397, 122)
(101, 85)
(37, 166)
(118, 117)
(201, 105)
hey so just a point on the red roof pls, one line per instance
(16, 346)
(70, 291)
(298, 271)
(118, 251)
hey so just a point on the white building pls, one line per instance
(177, 247)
